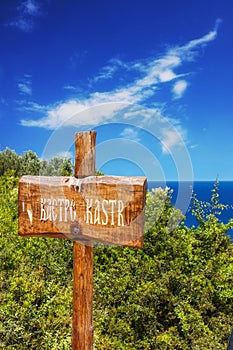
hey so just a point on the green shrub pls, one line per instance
(174, 293)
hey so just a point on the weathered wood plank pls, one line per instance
(82, 324)
(84, 154)
(99, 208)
(83, 330)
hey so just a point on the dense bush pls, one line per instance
(174, 293)
(36, 283)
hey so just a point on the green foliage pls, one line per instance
(36, 283)
(67, 168)
(30, 164)
(99, 173)
(174, 293)
(204, 211)
(9, 160)
(56, 166)
(159, 208)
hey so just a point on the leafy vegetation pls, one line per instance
(30, 164)
(36, 283)
(174, 293)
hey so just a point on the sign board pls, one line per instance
(107, 209)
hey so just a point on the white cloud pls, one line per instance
(116, 65)
(131, 134)
(3, 101)
(179, 88)
(170, 139)
(108, 71)
(167, 75)
(24, 89)
(194, 146)
(32, 107)
(74, 113)
(27, 12)
(189, 51)
(30, 7)
(108, 106)
(25, 85)
(69, 87)
(65, 154)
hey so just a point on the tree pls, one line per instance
(67, 168)
(9, 160)
(56, 166)
(29, 164)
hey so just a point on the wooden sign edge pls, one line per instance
(138, 180)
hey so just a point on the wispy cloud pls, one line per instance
(76, 59)
(194, 146)
(65, 154)
(179, 88)
(25, 85)
(114, 65)
(170, 139)
(130, 134)
(3, 101)
(70, 87)
(26, 13)
(148, 76)
(32, 107)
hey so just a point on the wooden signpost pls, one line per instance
(84, 208)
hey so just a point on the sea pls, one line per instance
(182, 194)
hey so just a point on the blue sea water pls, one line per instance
(182, 193)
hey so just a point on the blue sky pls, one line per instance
(154, 78)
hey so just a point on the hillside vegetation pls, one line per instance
(174, 293)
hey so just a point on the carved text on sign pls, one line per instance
(101, 208)
(97, 212)
(60, 209)
(94, 208)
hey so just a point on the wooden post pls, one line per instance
(85, 208)
(82, 326)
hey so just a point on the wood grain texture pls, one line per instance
(84, 154)
(82, 330)
(107, 209)
(82, 323)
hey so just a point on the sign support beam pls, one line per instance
(82, 324)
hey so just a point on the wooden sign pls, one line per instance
(107, 209)
(84, 208)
